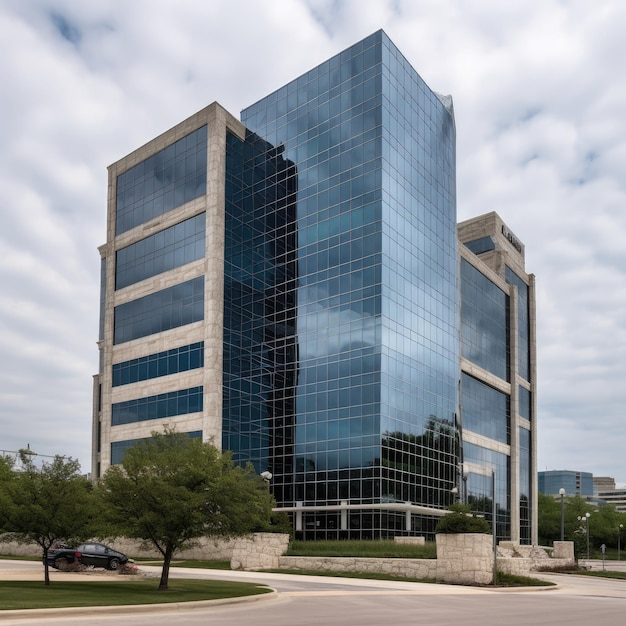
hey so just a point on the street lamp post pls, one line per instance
(562, 494)
(619, 539)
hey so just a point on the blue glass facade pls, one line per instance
(481, 245)
(484, 322)
(166, 250)
(260, 358)
(169, 308)
(525, 402)
(486, 411)
(574, 483)
(162, 182)
(156, 407)
(163, 363)
(368, 374)
(480, 486)
(525, 485)
(523, 322)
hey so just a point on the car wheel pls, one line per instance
(114, 564)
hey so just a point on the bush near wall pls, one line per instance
(461, 520)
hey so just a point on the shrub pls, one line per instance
(75, 566)
(462, 521)
(128, 569)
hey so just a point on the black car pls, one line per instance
(94, 554)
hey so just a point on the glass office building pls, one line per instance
(288, 287)
(498, 386)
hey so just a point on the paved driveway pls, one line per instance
(304, 600)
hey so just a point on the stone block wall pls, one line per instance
(564, 550)
(465, 558)
(13, 548)
(410, 568)
(206, 549)
(522, 560)
(259, 551)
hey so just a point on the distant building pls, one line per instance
(293, 287)
(603, 483)
(574, 483)
(616, 497)
(605, 490)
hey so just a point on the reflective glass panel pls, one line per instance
(170, 248)
(486, 411)
(525, 402)
(523, 322)
(164, 181)
(161, 364)
(156, 407)
(169, 308)
(348, 214)
(484, 322)
(479, 486)
(525, 486)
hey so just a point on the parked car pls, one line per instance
(95, 554)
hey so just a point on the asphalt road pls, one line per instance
(304, 601)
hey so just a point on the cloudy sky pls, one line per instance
(539, 90)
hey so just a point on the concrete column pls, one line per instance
(344, 516)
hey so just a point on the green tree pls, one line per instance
(172, 489)
(603, 522)
(6, 474)
(46, 505)
(549, 514)
(461, 520)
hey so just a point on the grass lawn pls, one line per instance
(354, 548)
(601, 574)
(35, 595)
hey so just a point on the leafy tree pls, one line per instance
(6, 474)
(549, 514)
(46, 505)
(6, 468)
(172, 489)
(603, 523)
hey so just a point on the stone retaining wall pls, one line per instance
(465, 558)
(13, 548)
(207, 549)
(410, 568)
(259, 551)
